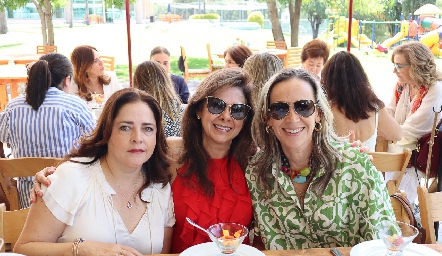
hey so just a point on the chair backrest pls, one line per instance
(13, 86)
(45, 49)
(276, 45)
(4, 62)
(392, 162)
(186, 67)
(21, 167)
(293, 57)
(209, 56)
(108, 62)
(430, 205)
(11, 225)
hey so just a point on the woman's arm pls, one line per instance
(388, 127)
(37, 239)
(258, 244)
(167, 243)
(175, 150)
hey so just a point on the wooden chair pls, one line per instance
(21, 167)
(392, 162)
(213, 67)
(108, 62)
(13, 85)
(24, 61)
(4, 62)
(45, 49)
(293, 57)
(11, 225)
(430, 204)
(192, 72)
(276, 45)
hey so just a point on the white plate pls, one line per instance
(210, 249)
(378, 248)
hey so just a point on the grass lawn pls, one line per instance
(111, 39)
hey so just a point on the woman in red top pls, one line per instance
(210, 186)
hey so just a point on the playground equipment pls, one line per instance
(338, 35)
(433, 38)
(408, 30)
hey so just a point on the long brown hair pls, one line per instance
(96, 145)
(344, 79)
(239, 54)
(195, 154)
(82, 58)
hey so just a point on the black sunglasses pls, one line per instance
(217, 106)
(279, 110)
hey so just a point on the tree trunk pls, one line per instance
(49, 25)
(3, 23)
(86, 21)
(274, 20)
(42, 21)
(294, 12)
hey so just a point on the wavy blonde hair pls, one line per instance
(259, 68)
(152, 78)
(423, 68)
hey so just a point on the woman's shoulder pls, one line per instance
(158, 192)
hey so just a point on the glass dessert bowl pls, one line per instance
(396, 236)
(227, 236)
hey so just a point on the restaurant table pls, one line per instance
(20, 58)
(345, 251)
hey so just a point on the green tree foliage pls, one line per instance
(12, 4)
(256, 16)
(410, 6)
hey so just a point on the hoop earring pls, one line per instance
(318, 126)
(269, 129)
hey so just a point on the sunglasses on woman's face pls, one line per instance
(279, 110)
(217, 106)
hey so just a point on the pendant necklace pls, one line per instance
(297, 176)
(129, 204)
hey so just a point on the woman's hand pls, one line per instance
(98, 248)
(358, 143)
(39, 178)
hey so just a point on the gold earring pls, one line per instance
(318, 126)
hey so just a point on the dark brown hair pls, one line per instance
(347, 87)
(49, 71)
(95, 146)
(82, 58)
(316, 48)
(239, 54)
(195, 154)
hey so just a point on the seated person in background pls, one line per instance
(259, 68)
(47, 121)
(314, 55)
(112, 196)
(417, 92)
(152, 78)
(307, 189)
(90, 77)
(236, 56)
(355, 106)
(162, 56)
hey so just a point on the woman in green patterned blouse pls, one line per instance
(307, 189)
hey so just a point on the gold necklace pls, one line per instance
(129, 204)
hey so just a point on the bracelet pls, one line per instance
(76, 246)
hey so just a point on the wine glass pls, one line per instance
(396, 235)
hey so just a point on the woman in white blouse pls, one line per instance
(417, 92)
(112, 197)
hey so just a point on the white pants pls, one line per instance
(410, 182)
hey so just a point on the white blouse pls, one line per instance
(81, 197)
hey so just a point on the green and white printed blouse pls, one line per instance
(333, 220)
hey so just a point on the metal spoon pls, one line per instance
(197, 226)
